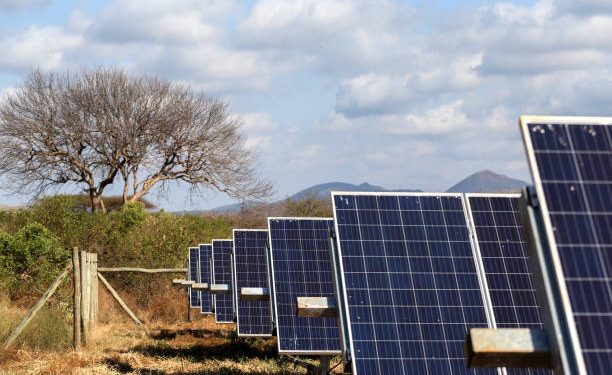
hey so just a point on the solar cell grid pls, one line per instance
(193, 275)
(222, 271)
(500, 240)
(301, 267)
(571, 164)
(250, 269)
(410, 284)
(206, 300)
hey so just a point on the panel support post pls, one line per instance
(76, 314)
(507, 347)
(324, 365)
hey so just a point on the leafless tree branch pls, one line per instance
(90, 127)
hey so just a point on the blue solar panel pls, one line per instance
(193, 275)
(222, 274)
(301, 267)
(251, 271)
(499, 236)
(206, 300)
(571, 165)
(411, 289)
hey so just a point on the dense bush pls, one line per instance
(30, 258)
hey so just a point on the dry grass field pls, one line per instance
(165, 344)
(200, 347)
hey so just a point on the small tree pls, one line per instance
(90, 127)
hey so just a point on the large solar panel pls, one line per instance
(206, 299)
(194, 275)
(500, 239)
(571, 164)
(410, 285)
(301, 267)
(250, 271)
(222, 274)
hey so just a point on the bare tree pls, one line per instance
(92, 127)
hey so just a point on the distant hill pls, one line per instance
(487, 182)
(483, 181)
(323, 191)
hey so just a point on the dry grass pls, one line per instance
(200, 347)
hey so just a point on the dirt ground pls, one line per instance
(200, 347)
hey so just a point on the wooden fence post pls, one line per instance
(85, 296)
(94, 289)
(76, 282)
(119, 300)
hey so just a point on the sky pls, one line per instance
(402, 94)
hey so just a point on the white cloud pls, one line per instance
(257, 122)
(404, 97)
(43, 47)
(440, 120)
(161, 21)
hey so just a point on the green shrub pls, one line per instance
(31, 258)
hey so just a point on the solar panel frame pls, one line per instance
(478, 270)
(193, 274)
(485, 279)
(237, 283)
(557, 274)
(221, 300)
(275, 306)
(206, 298)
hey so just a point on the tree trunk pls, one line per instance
(96, 202)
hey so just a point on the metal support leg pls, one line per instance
(324, 365)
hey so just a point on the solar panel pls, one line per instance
(409, 280)
(499, 238)
(301, 267)
(193, 275)
(206, 301)
(250, 271)
(571, 164)
(222, 274)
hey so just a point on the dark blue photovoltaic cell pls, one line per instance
(251, 271)
(222, 274)
(410, 280)
(574, 163)
(502, 245)
(206, 299)
(301, 266)
(194, 275)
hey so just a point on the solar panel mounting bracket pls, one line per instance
(316, 307)
(219, 288)
(254, 294)
(507, 347)
(200, 286)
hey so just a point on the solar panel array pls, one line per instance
(410, 283)
(194, 275)
(250, 270)
(222, 274)
(571, 165)
(413, 272)
(206, 299)
(499, 237)
(301, 267)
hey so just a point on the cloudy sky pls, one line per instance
(403, 94)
